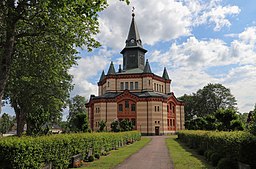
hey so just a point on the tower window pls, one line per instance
(157, 108)
(120, 107)
(126, 85)
(126, 104)
(148, 82)
(108, 84)
(122, 85)
(136, 85)
(133, 107)
(131, 85)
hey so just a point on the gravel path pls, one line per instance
(153, 156)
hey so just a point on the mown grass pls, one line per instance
(117, 156)
(183, 157)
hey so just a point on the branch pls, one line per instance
(27, 34)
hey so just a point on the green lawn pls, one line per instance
(117, 156)
(185, 158)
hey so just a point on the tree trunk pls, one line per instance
(7, 52)
(20, 116)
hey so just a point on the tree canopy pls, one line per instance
(78, 117)
(208, 100)
(22, 22)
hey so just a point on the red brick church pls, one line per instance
(135, 93)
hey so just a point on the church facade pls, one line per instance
(135, 93)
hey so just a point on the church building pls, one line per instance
(135, 93)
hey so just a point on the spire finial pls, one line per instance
(133, 9)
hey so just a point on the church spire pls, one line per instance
(102, 76)
(133, 52)
(111, 70)
(147, 68)
(165, 74)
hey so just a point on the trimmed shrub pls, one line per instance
(32, 152)
(215, 157)
(90, 158)
(97, 156)
(226, 163)
(236, 145)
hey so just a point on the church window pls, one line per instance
(108, 84)
(154, 86)
(122, 85)
(148, 82)
(168, 124)
(133, 122)
(133, 107)
(158, 122)
(167, 108)
(126, 104)
(126, 85)
(120, 107)
(162, 88)
(136, 85)
(173, 123)
(131, 85)
(157, 87)
(157, 108)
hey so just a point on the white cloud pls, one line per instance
(188, 63)
(163, 20)
(89, 67)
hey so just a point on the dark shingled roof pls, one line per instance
(112, 95)
(147, 68)
(111, 70)
(102, 76)
(165, 74)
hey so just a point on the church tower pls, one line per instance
(136, 94)
(133, 53)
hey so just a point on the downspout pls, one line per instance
(180, 119)
(106, 115)
(162, 117)
(147, 117)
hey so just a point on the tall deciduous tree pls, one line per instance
(208, 100)
(6, 122)
(78, 118)
(70, 22)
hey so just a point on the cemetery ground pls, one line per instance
(180, 157)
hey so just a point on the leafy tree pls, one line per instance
(115, 127)
(251, 121)
(78, 119)
(123, 125)
(213, 97)
(226, 119)
(102, 125)
(6, 123)
(71, 22)
(198, 123)
(190, 105)
(208, 100)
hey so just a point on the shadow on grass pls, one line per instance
(194, 153)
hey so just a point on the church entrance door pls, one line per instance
(157, 131)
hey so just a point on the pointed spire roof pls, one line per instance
(133, 40)
(102, 76)
(111, 70)
(133, 34)
(147, 68)
(165, 74)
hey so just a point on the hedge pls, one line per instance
(237, 145)
(34, 152)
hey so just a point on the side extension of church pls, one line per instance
(135, 93)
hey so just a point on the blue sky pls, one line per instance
(199, 42)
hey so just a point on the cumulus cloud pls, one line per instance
(87, 68)
(189, 61)
(163, 20)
